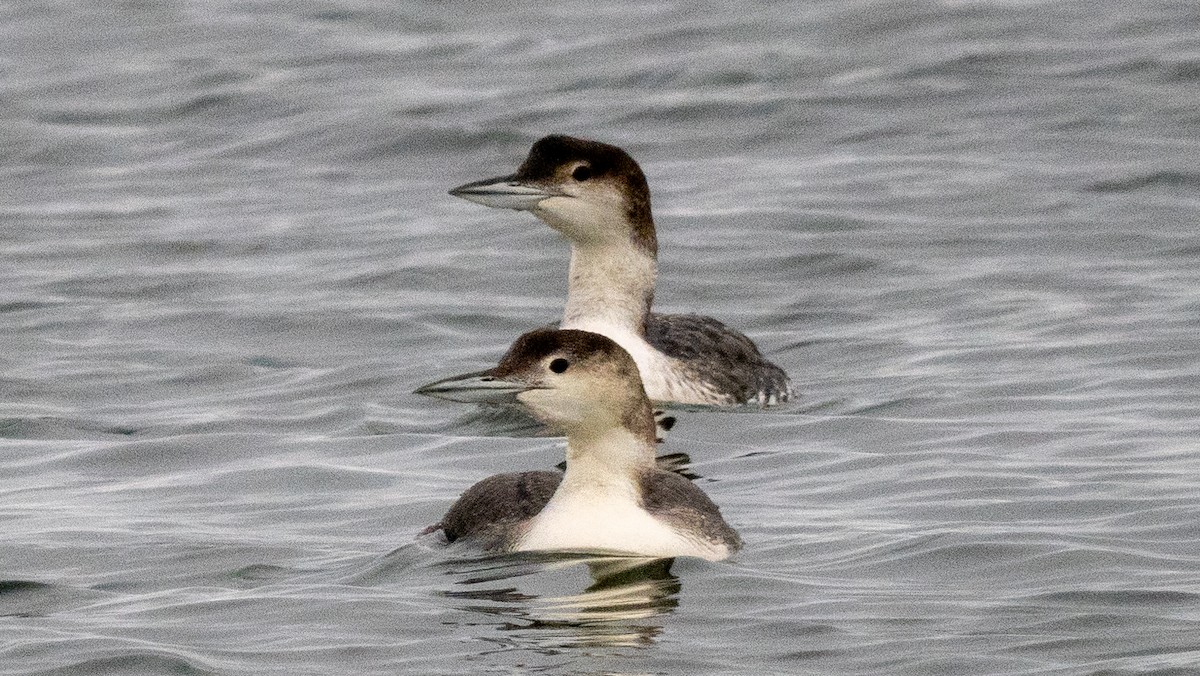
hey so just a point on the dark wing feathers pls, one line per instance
(497, 503)
(719, 355)
(676, 500)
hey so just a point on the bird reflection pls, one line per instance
(614, 610)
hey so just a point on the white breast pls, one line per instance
(608, 519)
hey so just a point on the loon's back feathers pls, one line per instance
(498, 503)
(675, 499)
(717, 354)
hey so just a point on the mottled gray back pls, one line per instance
(678, 501)
(495, 504)
(718, 355)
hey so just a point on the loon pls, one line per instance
(612, 498)
(596, 196)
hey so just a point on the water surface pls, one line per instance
(968, 230)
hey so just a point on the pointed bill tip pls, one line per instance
(479, 387)
(505, 192)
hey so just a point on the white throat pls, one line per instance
(610, 285)
(611, 458)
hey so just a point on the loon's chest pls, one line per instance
(607, 519)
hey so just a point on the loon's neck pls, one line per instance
(607, 461)
(610, 286)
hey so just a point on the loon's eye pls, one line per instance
(559, 365)
(582, 173)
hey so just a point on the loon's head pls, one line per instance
(578, 381)
(591, 192)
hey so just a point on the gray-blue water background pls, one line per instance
(970, 231)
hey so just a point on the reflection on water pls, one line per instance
(613, 610)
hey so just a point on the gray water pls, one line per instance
(969, 230)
